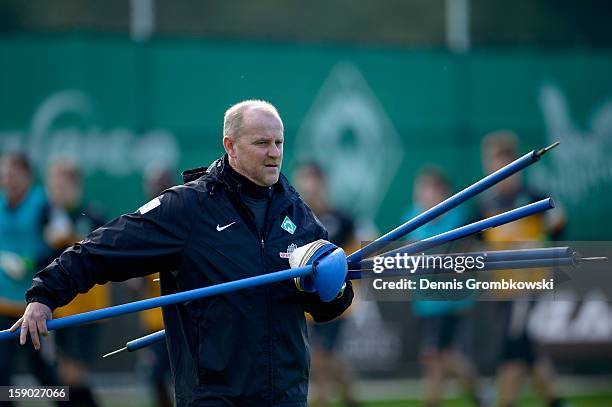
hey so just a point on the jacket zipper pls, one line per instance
(269, 323)
(262, 246)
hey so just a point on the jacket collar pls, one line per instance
(241, 183)
(220, 173)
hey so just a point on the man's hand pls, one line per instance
(34, 319)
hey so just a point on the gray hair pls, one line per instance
(234, 116)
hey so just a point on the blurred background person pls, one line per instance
(441, 320)
(329, 373)
(70, 221)
(154, 360)
(520, 354)
(23, 215)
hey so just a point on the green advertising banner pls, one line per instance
(371, 117)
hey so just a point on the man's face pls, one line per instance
(429, 192)
(309, 185)
(495, 161)
(62, 190)
(14, 179)
(492, 163)
(257, 153)
(156, 181)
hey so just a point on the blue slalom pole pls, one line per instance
(463, 231)
(524, 259)
(488, 266)
(170, 299)
(504, 260)
(448, 204)
(140, 343)
(531, 263)
(521, 254)
(495, 256)
(146, 340)
(526, 262)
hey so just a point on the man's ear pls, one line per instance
(229, 146)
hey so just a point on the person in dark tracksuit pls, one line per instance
(238, 218)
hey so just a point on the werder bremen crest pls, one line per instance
(288, 225)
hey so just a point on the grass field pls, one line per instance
(127, 390)
(600, 400)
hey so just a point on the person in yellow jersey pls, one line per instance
(70, 221)
(519, 351)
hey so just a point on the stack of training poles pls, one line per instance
(332, 270)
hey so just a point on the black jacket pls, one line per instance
(244, 348)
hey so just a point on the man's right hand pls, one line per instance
(34, 320)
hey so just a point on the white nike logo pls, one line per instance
(220, 228)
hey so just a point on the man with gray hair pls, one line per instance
(238, 218)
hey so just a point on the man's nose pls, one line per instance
(275, 151)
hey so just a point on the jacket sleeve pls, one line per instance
(326, 311)
(147, 241)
